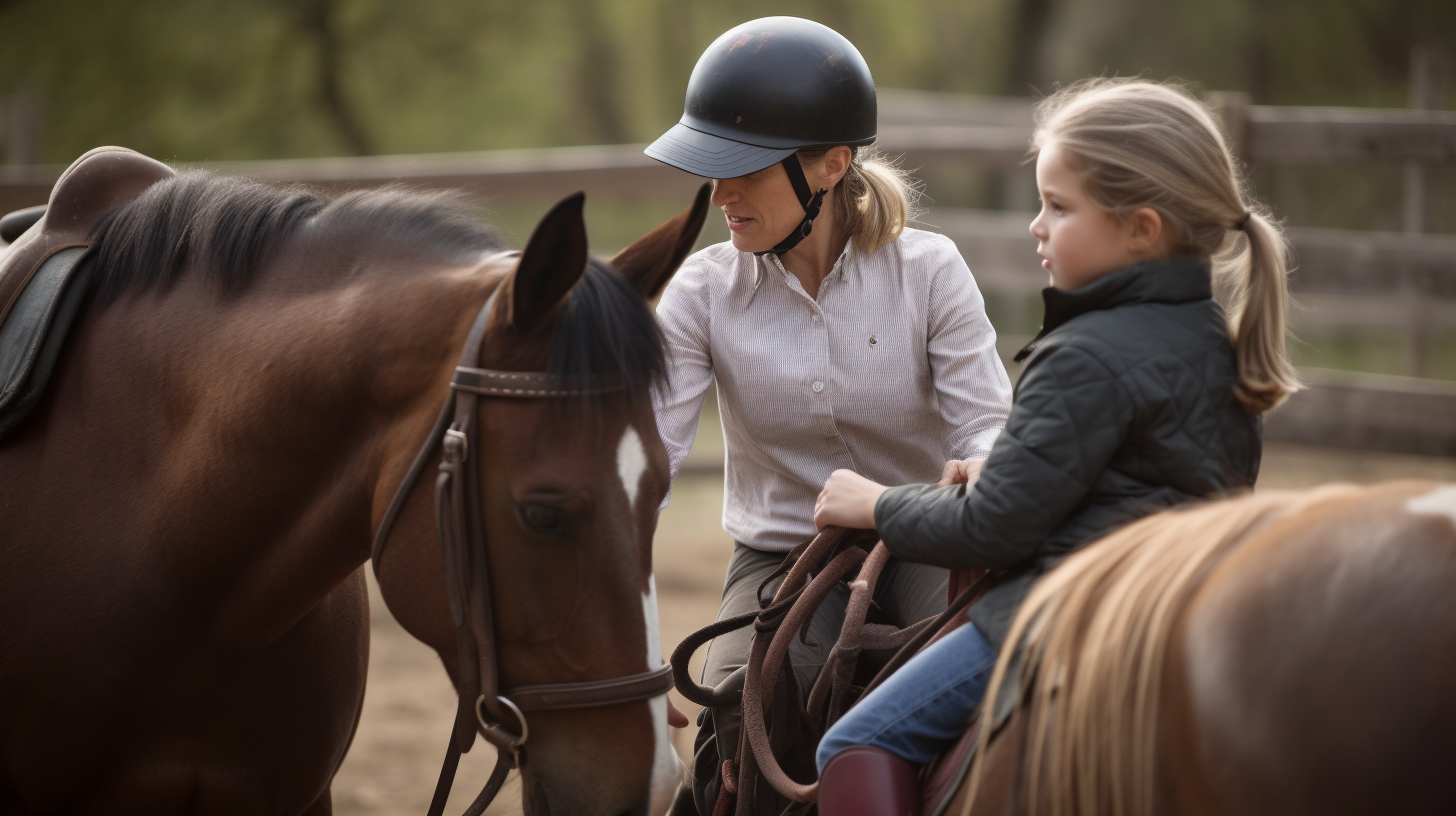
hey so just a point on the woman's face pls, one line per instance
(761, 207)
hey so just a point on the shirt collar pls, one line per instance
(1172, 280)
(761, 262)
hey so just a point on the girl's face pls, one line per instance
(1079, 241)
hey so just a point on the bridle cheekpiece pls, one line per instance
(500, 715)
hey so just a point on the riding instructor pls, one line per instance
(838, 336)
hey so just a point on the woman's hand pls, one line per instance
(847, 500)
(961, 471)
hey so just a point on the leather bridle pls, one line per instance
(500, 715)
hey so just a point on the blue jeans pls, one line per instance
(922, 708)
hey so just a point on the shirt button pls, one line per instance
(816, 317)
(818, 386)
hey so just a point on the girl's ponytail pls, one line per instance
(1257, 326)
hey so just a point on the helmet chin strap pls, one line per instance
(811, 202)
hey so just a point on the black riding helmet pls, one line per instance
(765, 90)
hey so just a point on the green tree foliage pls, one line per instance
(241, 79)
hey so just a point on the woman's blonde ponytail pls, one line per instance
(876, 198)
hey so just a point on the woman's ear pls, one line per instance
(1145, 231)
(834, 165)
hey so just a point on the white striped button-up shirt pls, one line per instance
(890, 373)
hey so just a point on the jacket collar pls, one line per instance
(1173, 280)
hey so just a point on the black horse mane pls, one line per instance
(606, 326)
(228, 228)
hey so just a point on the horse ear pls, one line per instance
(650, 261)
(552, 262)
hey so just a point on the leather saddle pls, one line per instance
(44, 275)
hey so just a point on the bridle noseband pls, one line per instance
(500, 715)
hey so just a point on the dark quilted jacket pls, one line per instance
(1125, 407)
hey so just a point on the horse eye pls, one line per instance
(548, 519)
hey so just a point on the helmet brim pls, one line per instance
(709, 156)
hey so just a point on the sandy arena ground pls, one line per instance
(391, 769)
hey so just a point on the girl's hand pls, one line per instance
(847, 500)
(961, 471)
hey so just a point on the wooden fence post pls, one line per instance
(1232, 110)
(1427, 92)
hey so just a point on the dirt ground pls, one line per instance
(396, 755)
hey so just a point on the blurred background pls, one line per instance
(245, 80)
(1342, 110)
(194, 80)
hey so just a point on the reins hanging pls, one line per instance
(809, 575)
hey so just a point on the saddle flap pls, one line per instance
(31, 338)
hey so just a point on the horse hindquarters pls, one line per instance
(1312, 674)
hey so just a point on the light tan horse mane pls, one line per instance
(1095, 632)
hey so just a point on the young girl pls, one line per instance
(1139, 393)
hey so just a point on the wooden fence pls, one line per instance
(1343, 278)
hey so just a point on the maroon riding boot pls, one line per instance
(863, 780)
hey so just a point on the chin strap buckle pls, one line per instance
(810, 201)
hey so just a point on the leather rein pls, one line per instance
(499, 715)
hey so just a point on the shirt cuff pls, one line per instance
(978, 445)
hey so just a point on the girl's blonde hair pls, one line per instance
(876, 198)
(1142, 144)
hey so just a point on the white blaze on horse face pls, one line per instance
(665, 764)
(631, 464)
(1439, 502)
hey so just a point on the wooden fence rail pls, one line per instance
(1334, 135)
(999, 138)
(1406, 279)
(1001, 251)
(1370, 411)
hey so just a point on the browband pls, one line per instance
(532, 385)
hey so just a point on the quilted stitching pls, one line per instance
(1123, 409)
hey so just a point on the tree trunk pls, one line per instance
(1029, 22)
(316, 22)
(596, 76)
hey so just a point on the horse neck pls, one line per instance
(296, 396)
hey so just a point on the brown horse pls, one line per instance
(185, 517)
(1280, 653)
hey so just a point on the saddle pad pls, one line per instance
(35, 328)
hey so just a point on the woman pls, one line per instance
(838, 337)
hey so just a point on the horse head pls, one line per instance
(539, 597)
